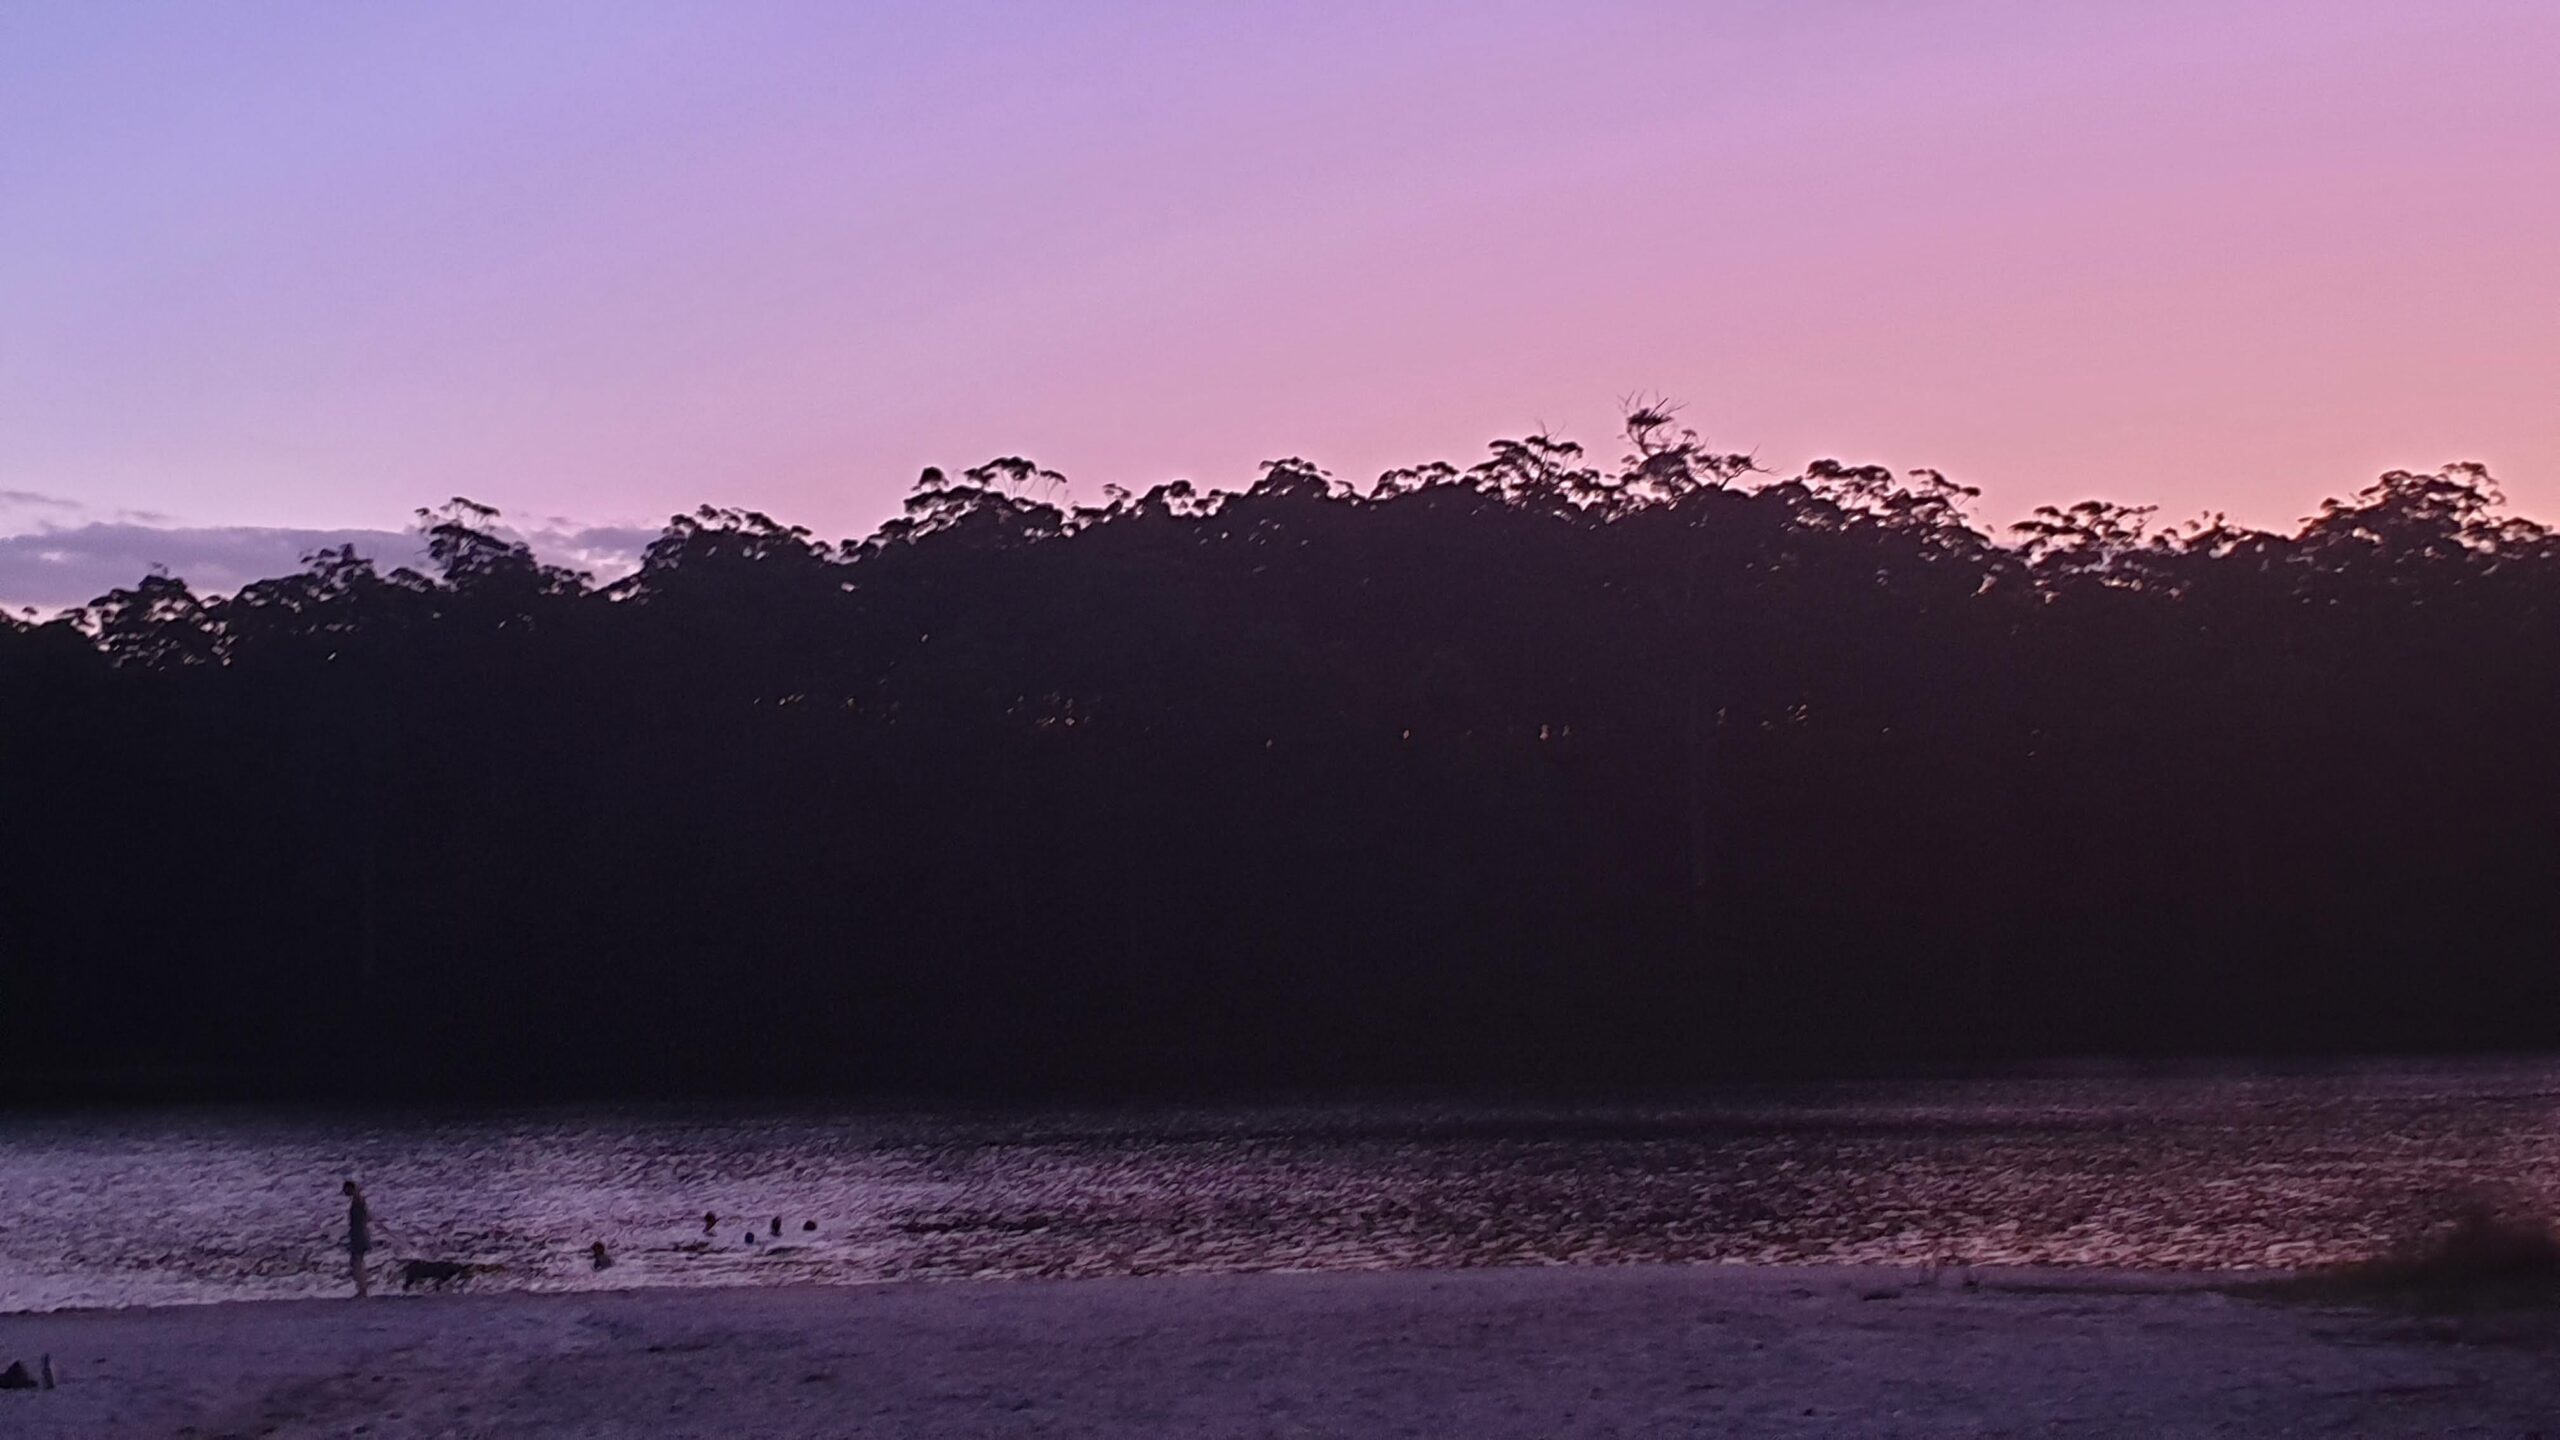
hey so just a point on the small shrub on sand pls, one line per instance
(2488, 1256)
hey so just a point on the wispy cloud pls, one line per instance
(607, 552)
(31, 500)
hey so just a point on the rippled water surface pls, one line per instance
(2222, 1171)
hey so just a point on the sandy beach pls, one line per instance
(1531, 1352)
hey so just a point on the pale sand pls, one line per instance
(1564, 1352)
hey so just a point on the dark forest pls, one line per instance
(1543, 771)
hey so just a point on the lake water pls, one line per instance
(2193, 1171)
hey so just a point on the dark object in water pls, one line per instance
(16, 1377)
(751, 1237)
(808, 1225)
(599, 1256)
(44, 1371)
(439, 1273)
(710, 1221)
(777, 1224)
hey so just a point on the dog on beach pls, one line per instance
(438, 1273)
(1955, 1265)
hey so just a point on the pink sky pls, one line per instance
(314, 265)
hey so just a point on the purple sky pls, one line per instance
(269, 267)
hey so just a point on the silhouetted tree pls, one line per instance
(1528, 769)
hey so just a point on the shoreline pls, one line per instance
(1529, 1351)
(2005, 1279)
(2008, 1279)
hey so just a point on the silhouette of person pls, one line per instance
(359, 1236)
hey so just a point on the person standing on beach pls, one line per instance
(359, 1235)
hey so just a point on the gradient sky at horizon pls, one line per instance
(312, 265)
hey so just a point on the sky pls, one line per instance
(277, 274)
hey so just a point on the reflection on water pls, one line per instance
(2222, 1171)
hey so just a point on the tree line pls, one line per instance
(1539, 770)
